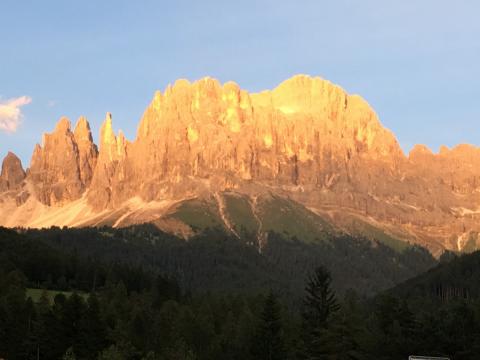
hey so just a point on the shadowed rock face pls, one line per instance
(87, 151)
(307, 139)
(12, 174)
(62, 168)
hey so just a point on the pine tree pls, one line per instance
(13, 319)
(340, 341)
(268, 343)
(409, 329)
(42, 334)
(72, 314)
(319, 305)
(92, 329)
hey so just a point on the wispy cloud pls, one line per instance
(11, 114)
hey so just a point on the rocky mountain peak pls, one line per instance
(111, 147)
(12, 174)
(419, 150)
(307, 139)
(107, 136)
(87, 151)
(82, 130)
(63, 125)
(62, 168)
(204, 129)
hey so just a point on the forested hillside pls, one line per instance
(214, 261)
(118, 303)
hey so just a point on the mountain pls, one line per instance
(305, 159)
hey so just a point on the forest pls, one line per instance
(216, 261)
(101, 297)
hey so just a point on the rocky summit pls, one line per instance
(303, 159)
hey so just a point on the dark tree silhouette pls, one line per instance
(269, 343)
(319, 305)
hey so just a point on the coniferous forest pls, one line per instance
(137, 294)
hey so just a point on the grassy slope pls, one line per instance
(240, 213)
(199, 214)
(363, 228)
(36, 294)
(291, 219)
(275, 214)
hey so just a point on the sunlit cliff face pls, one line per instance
(307, 139)
(213, 127)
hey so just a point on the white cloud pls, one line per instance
(11, 114)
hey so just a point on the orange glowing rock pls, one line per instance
(306, 139)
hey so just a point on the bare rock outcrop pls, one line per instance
(12, 174)
(87, 150)
(306, 132)
(307, 139)
(61, 169)
(107, 182)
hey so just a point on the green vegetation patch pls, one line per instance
(291, 219)
(362, 228)
(240, 213)
(200, 214)
(36, 294)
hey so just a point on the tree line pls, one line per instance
(161, 322)
(115, 310)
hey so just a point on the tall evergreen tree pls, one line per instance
(93, 332)
(269, 343)
(319, 305)
(340, 339)
(13, 318)
(71, 318)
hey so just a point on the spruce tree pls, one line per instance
(268, 343)
(319, 305)
(92, 329)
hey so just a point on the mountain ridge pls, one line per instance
(307, 140)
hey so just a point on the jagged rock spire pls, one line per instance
(87, 150)
(12, 174)
(62, 168)
(307, 138)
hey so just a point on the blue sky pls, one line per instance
(415, 61)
